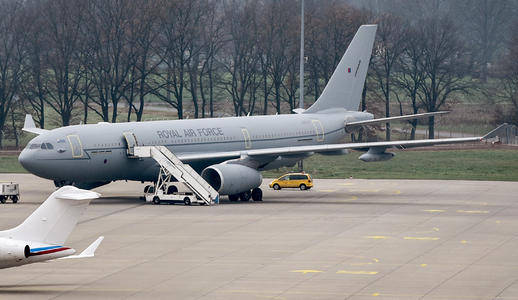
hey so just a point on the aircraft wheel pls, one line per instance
(233, 198)
(2, 199)
(62, 183)
(276, 187)
(303, 187)
(186, 201)
(245, 196)
(257, 194)
(14, 199)
(156, 200)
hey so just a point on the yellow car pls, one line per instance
(302, 181)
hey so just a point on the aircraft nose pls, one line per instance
(26, 159)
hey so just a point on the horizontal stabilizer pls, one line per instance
(89, 251)
(29, 126)
(391, 119)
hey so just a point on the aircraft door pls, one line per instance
(131, 142)
(319, 130)
(75, 145)
(246, 138)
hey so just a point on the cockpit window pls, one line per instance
(49, 146)
(34, 146)
(44, 146)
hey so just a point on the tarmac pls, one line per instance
(344, 239)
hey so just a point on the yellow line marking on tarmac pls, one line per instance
(463, 242)
(375, 294)
(498, 222)
(347, 184)
(421, 238)
(357, 272)
(376, 237)
(397, 192)
(434, 210)
(327, 191)
(306, 271)
(435, 229)
(364, 191)
(473, 211)
(424, 265)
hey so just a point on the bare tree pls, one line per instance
(32, 86)
(486, 23)
(110, 55)
(242, 59)
(410, 75)
(213, 35)
(12, 56)
(177, 45)
(144, 33)
(508, 74)
(391, 35)
(63, 67)
(443, 64)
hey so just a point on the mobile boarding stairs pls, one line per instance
(171, 166)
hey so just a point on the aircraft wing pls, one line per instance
(323, 148)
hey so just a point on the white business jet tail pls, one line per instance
(345, 86)
(55, 219)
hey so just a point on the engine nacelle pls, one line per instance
(13, 250)
(376, 154)
(230, 179)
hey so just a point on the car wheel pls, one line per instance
(245, 196)
(156, 200)
(233, 198)
(276, 187)
(257, 194)
(303, 187)
(14, 199)
(186, 201)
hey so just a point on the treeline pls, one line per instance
(78, 57)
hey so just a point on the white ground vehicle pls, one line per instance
(172, 192)
(9, 191)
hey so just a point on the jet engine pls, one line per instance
(231, 179)
(376, 154)
(12, 250)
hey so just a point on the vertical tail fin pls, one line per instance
(54, 220)
(346, 84)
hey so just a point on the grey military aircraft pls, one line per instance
(229, 153)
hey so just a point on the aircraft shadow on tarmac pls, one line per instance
(294, 198)
(34, 289)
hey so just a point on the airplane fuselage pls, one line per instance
(98, 152)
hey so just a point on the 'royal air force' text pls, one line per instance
(189, 133)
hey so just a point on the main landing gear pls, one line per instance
(254, 194)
